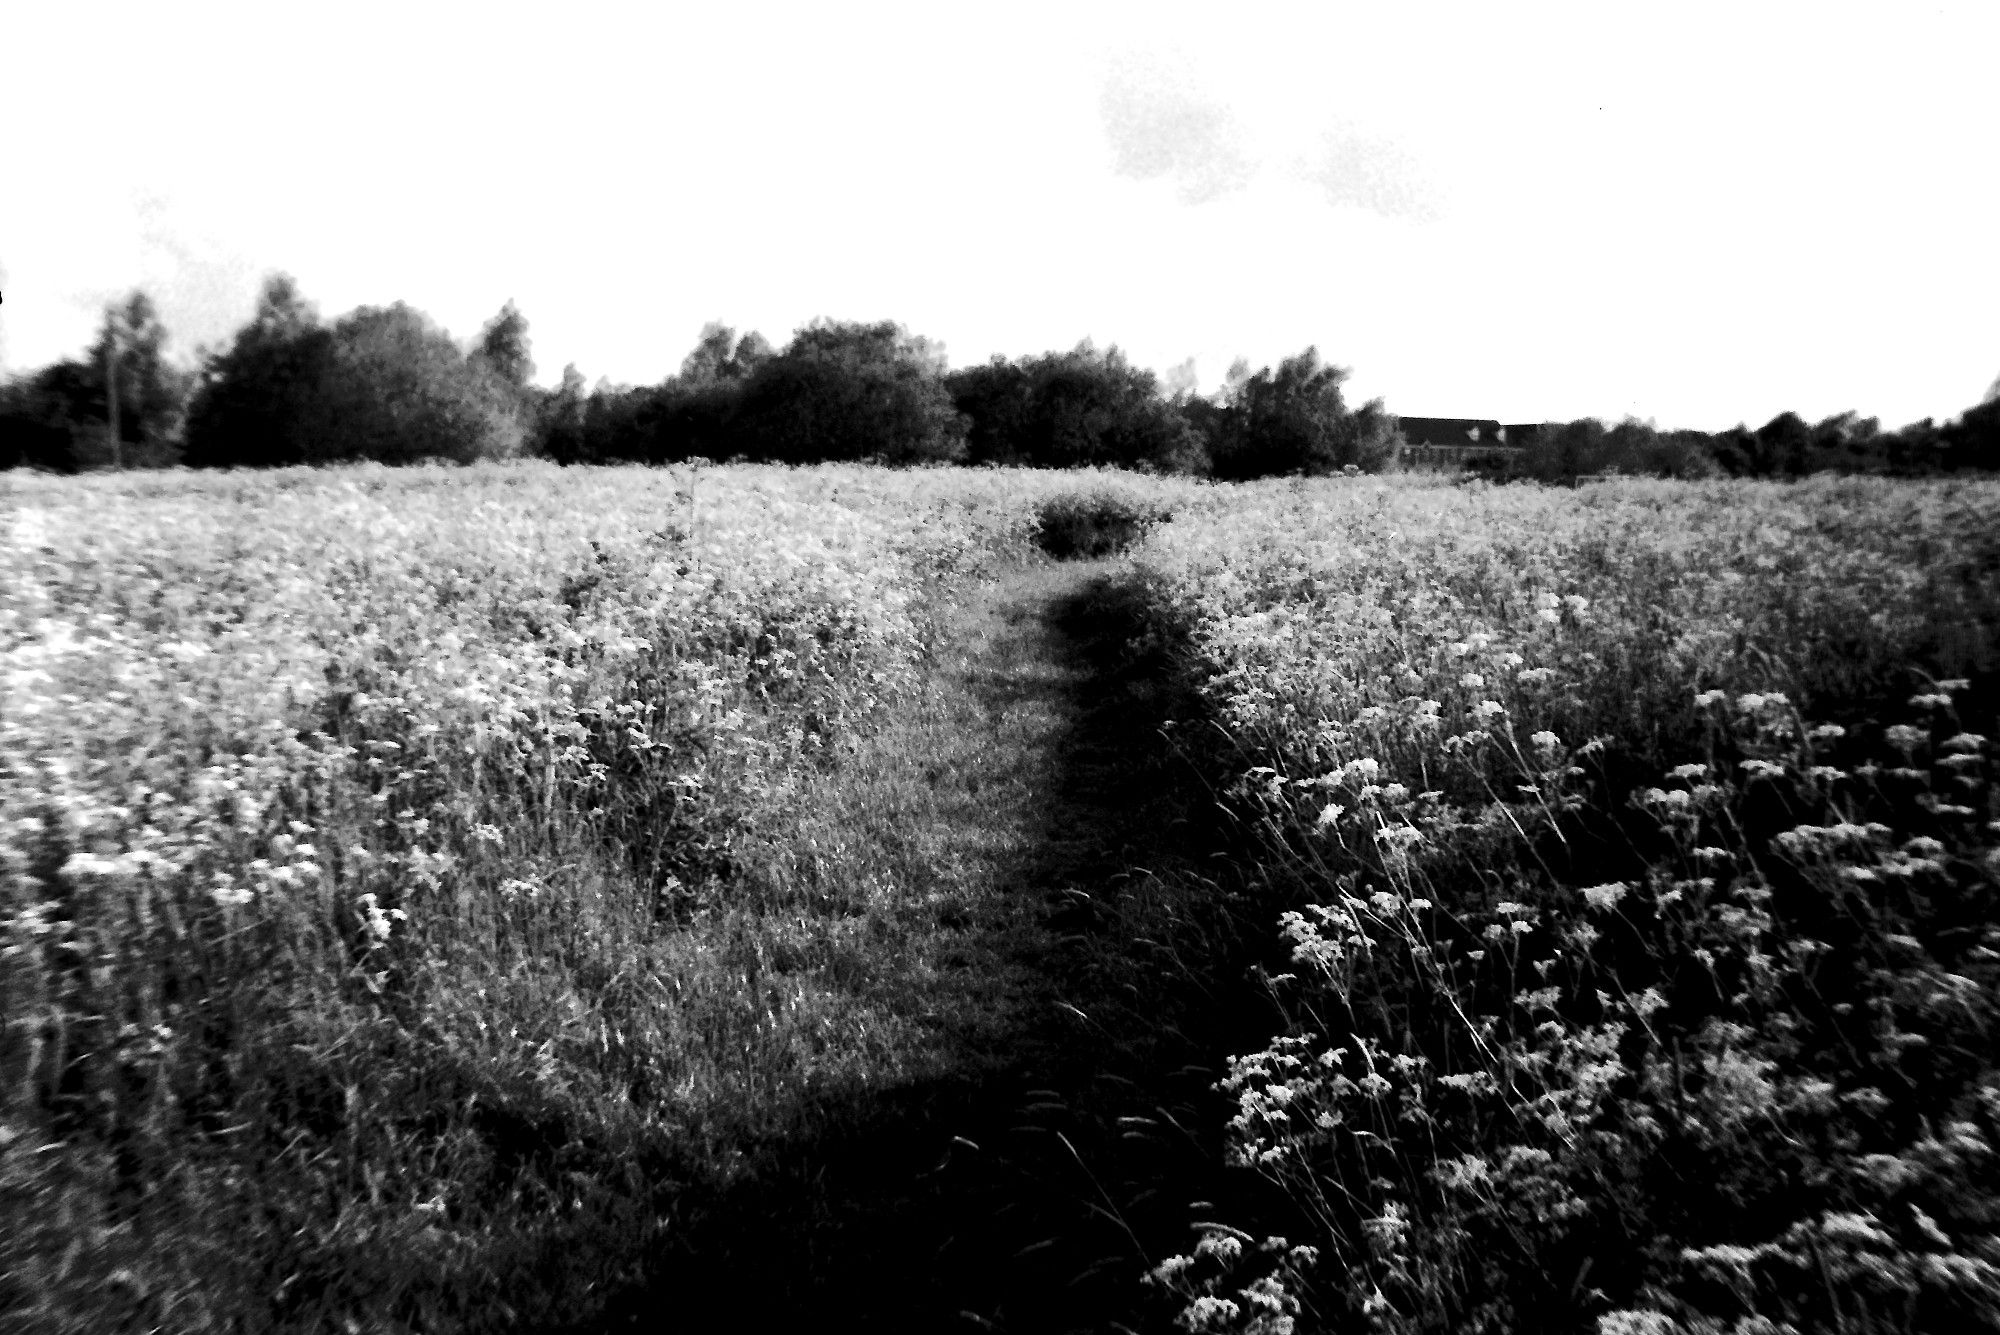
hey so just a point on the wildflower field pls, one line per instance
(385, 896)
(1636, 861)
(416, 886)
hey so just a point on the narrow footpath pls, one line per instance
(1040, 863)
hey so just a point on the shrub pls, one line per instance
(1093, 524)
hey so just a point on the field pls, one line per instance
(446, 899)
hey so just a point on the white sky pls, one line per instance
(1703, 216)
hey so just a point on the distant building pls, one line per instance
(1447, 441)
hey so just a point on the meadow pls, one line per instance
(386, 896)
(1636, 859)
(424, 888)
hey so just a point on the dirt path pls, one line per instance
(1040, 992)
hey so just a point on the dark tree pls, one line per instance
(382, 383)
(850, 391)
(721, 356)
(259, 403)
(1071, 409)
(998, 401)
(1973, 441)
(1293, 419)
(561, 417)
(399, 390)
(43, 415)
(503, 347)
(152, 393)
(59, 417)
(1784, 445)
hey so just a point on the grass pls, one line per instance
(345, 995)
(515, 898)
(1633, 863)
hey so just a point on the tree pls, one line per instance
(381, 383)
(399, 390)
(39, 425)
(258, 404)
(1784, 445)
(503, 347)
(721, 356)
(1973, 441)
(850, 391)
(559, 428)
(1076, 408)
(998, 402)
(59, 417)
(152, 393)
(1293, 419)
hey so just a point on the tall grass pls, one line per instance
(392, 910)
(1636, 858)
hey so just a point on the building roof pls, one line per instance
(1460, 431)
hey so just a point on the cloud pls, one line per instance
(1160, 126)
(204, 288)
(1375, 174)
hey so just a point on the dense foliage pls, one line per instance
(850, 391)
(388, 385)
(1293, 419)
(1071, 409)
(59, 417)
(381, 384)
(1785, 446)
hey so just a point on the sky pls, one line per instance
(1694, 214)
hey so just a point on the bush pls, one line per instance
(1093, 524)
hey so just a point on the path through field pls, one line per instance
(1016, 813)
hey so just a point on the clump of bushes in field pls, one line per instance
(1089, 524)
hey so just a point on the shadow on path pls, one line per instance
(1028, 1185)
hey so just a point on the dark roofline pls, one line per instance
(1454, 431)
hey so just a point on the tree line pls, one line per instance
(387, 384)
(1785, 446)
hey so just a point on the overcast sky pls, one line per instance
(1523, 212)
